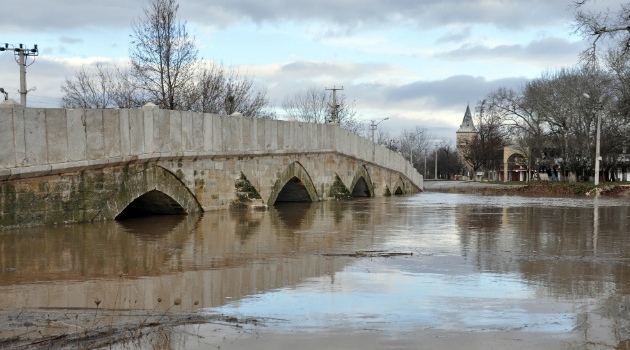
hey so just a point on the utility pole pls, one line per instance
(334, 105)
(425, 164)
(436, 150)
(21, 55)
(596, 107)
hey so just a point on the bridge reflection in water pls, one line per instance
(221, 256)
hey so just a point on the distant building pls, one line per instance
(465, 134)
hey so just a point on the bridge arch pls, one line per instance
(293, 185)
(152, 191)
(362, 185)
(399, 187)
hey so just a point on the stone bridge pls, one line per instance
(72, 165)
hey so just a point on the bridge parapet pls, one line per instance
(37, 142)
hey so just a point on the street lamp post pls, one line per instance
(425, 164)
(598, 158)
(374, 125)
(373, 128)
(436, 150)
(413, 140)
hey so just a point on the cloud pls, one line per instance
(349, 15)
(547, 50)
(356, 15)
(336, 70)
(373, 86)
(68, 40)
(451, 91)
(43, 15)
(454, 36)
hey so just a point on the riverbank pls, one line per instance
(542, 188)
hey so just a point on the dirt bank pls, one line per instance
(534, 188)
(43, 328)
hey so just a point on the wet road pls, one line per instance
(477, 272)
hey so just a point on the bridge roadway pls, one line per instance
(73, 165)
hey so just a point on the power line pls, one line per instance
(21, 55)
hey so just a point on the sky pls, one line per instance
(417, 62)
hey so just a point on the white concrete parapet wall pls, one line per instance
(37, 142)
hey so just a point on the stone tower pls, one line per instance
(465, 133)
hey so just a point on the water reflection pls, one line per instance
(153, 228)
(295, 216)
(220, 256)
(479, 261)
(568, 250)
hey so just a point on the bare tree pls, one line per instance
(241, 96)
(125, 93)
(558, 98)
(314, 105)
(310, 105)
(162, 54)
(448, 160)
(414, 144)
(216, 89)
(485, 149)
(526, 128)
(90, 88)
(602, 26)
(101, 86)
(473, 153)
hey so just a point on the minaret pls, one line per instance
(467, 124)
(466, 132)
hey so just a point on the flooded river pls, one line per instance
(432, 270)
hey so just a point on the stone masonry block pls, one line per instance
(95, 134)
(111, 132)
(7, 141)
(57, 135)
(77, 134)
(35, 136)
(125, 141)
(136, 131)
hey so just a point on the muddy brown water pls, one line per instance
(478, 271)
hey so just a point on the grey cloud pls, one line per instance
(44, 15)
(336, 15)
(452, 91)
(346, 71)
(68, 40)
(548, 49)
(372, 13)
(454, 36)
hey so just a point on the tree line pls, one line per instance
(552, 119)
